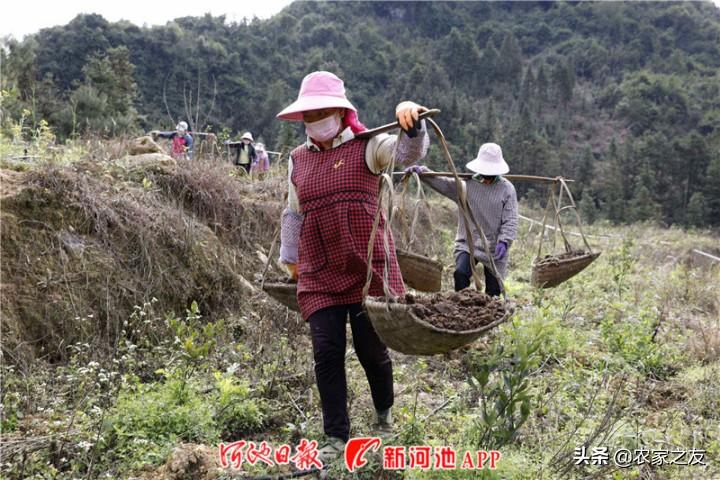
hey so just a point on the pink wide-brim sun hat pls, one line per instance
(489, 161)
(318, 90)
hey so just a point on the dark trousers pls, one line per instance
(245, 166)
(327, 328)
(463, 274)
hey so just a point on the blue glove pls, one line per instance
(500, 250)
(416, 169)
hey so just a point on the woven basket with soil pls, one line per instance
(435, 324)
(428, 325)
(551, 270)
(284, 291)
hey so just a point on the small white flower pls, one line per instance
(85, 445)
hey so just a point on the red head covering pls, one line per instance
(351, 120)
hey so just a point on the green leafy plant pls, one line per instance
(237, 414)
(149, 419)
(196, 341)
(500, 380)
(621, 264)
(633, 341)
(412, 426)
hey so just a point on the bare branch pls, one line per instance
(212, 102)
(167, 108)
(188, 115)
(197, 107)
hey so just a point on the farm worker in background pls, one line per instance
(182, 141)
(245, 155)
(332, 201)
(493, 202)
(261, 164)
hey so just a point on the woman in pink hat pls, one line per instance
(493, 202)
(332, 202)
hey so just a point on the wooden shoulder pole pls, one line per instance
(520, 178)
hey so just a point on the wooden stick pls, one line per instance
(526, 178)
(391, 126)
(705, 254)
(192, 134)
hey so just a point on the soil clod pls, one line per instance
(458, 311)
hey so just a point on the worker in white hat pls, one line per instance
(182, 141)
(493, 202)
(245, 154)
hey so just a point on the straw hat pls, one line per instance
(318, 90)
(489, 161)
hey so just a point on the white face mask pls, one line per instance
(325, 129)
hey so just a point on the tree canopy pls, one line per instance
(623, 96)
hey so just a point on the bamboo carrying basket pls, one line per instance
(553, 270)
(419, 272)
(285, 293)
(404, 332)
(394, 322)
(559, 268)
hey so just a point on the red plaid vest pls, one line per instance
(178, 146)
(338, 195)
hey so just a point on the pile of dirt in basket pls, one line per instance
(549, 259)
(458, 311)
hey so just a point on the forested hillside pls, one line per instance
(622, 97)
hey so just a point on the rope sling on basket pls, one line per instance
(418, 271)
(552, 270)
(396, 323)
